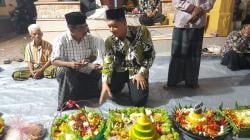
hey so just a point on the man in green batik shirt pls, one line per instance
(129, 53)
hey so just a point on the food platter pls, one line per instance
(121, 124)
(83, 123)
(239, 120)
(2, 126)
(200, 137)
(205, 125)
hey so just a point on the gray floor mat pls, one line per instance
(36, 100)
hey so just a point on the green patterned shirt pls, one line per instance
(134, 54)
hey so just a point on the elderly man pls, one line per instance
(37, 56)
(129, 53)
(236, 50)
(74, 53)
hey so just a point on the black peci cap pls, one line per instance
(114, 14)
(75, 18)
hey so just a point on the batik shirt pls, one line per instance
(236, 41)
(134, 54)
(148, 5)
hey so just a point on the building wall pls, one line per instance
(5, 23)
(9, 6)
(219, 18)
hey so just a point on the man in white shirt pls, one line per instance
(74, 53)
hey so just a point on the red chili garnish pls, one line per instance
(199, 128)
(213, 126)
(158, 127)
(70, 103)
(223, 121)
(93, 128)
(84, 130)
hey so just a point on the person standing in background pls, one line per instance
(189, 22)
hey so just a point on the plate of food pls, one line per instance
(139, 123)
(81, 124)
(202, 124)
(2, 126)
(20, 129)
(239, 119)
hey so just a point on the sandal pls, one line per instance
(17, 59)
(6, 61)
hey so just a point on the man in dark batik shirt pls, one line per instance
(129, 53)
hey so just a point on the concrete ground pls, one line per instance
(36, 100)
(13, 47)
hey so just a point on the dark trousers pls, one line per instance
(185, 56)
(88, 7)
(236, 61)
(74, 85)
(138, 96)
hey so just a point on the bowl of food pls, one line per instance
(202, 124)
(2, 126)
(239, 119)
(82, 123)
(19, 130)
(139, 123)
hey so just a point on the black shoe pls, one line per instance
(192, 86)
(168, 86)
(165, 87)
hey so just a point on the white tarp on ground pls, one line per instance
(36, 100)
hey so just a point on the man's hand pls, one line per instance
(150, 14)
(140, 81)
(105, 93)
(196, 14)
(38, 74)
(98, 67)
(76, 65)
(193, 20)
(85, 61)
